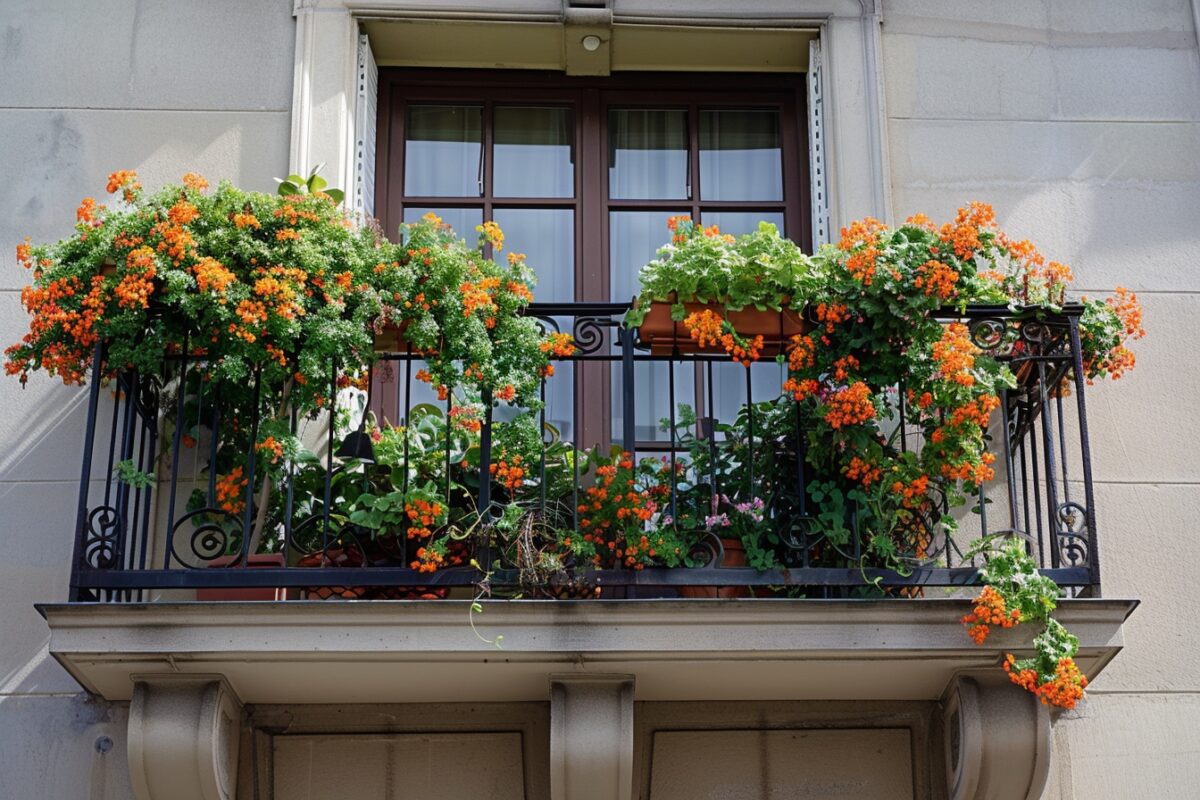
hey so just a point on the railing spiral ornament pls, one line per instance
(211, 536)
(102, 537)
(707, 552)
(1072, 537)
(988, 334)
(589, 334)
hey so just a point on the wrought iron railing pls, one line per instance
(140, 537)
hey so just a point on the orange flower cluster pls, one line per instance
(863, 471)
(850, 406)
(46, 311)
(494, 235)
(861, 240)
(212, 276)
(937, 280)
(507, 393)
(801, 353)
(955, 354)
(830, 314)
(558, 344)
(246, 220)
(478, 295)
(802, 388)
(230, 490)
(977, 412)
(292, 215)
(673, 225)
(709, 329)
(508, 471)
(970, 472)
(124, 180)
(423, 516)
(912, 495)
(843, 366)
(194, 182)
(287, 235)
(135, 288)
(272, 448)
(990, 609)
(963, 233)
(428, 560)
(614, 503)
(466, 418)
(182, 212)
(86, 213)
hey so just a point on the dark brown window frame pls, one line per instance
(591, 97)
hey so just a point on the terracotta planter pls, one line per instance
(665, 336)
(351, 558)
(734, 556)
(108, 268)
(246, 592)
(392, 338)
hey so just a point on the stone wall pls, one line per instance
(1080, 122)
(162, 87)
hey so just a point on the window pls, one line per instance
(582, 175)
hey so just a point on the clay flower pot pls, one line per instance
(246, 592)
(734, 556)
(665, 336)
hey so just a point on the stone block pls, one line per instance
(57, 157)
(226, 55)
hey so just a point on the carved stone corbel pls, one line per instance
(591, 737)
(183, 738)
(997, 740)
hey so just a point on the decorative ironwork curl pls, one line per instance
(589, 333)
(103, 534)
(1071, 539)
(208, 540)
(988, 334)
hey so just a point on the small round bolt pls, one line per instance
(104, 744)
(591, 43)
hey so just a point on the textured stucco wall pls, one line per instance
(1080, 122)
(163, 87)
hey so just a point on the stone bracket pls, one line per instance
(591, 737)
(183, 737)
(997, 739)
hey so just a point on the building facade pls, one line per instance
(1079, 122)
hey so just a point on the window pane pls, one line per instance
(462, 220)
(634, 239)
(547, 238)
(741, 155)
(533, 154)
(647, 154)
(443, 151)
(739, 222)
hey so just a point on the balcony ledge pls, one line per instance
(425, 651)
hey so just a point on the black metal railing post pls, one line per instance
(77, 593)
(1085, 452)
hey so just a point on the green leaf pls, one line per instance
(336, 194)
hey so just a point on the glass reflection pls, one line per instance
(547, 238)
(741, 155)
(647, 154)
(443, 154)
(533, 153)
(634, 239)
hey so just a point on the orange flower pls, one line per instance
(230, 488)
(195, 182)
(850, 406)
(990, 609)
(125, 179)
(246, 220)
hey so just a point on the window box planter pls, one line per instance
(733, 555)
(665, 336)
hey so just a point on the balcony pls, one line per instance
(185, 536)
(190, 600)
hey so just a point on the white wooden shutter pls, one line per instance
(364, 129)
(816, 146)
